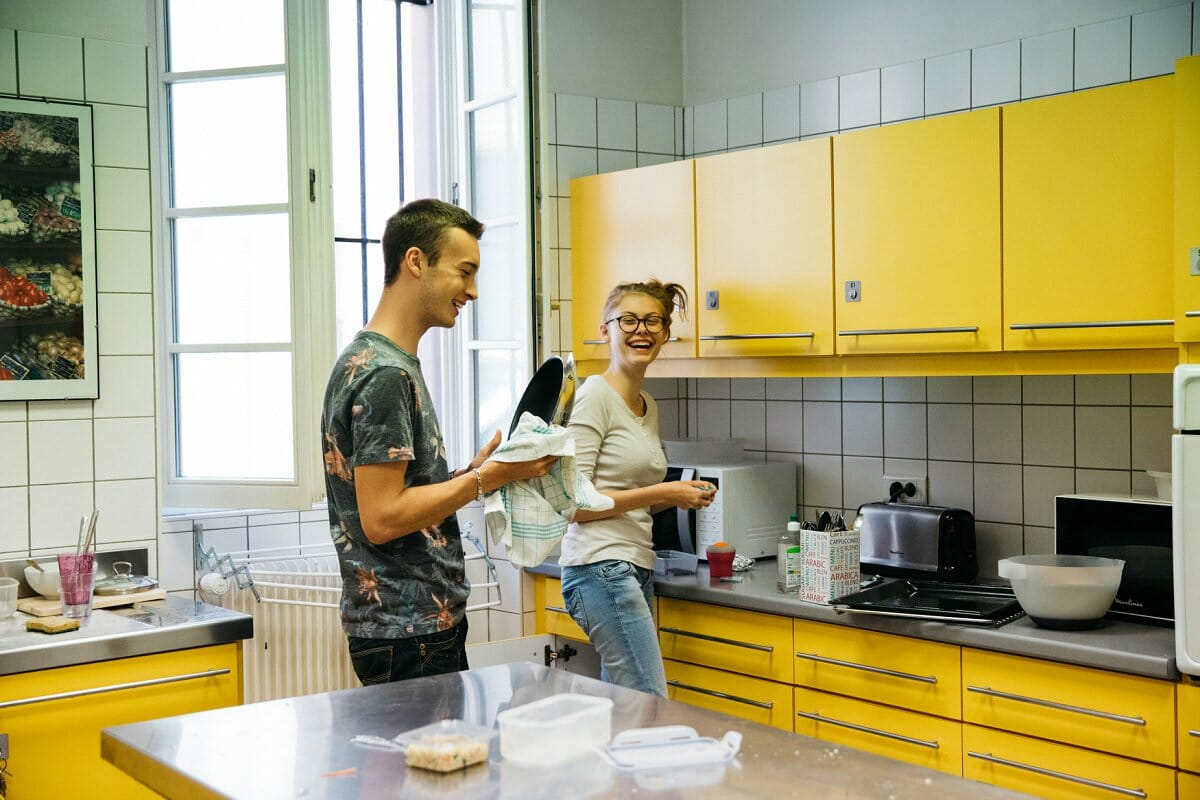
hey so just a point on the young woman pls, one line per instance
(607, 558)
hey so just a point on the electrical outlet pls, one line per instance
(919, 496)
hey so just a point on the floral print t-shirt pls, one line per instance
(376, 410)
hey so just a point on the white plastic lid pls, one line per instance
(793, 526)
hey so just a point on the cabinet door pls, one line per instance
(1094, 708)
(1185, 264)
(764, 244)
(917, 226)
(1189, 726)
(757, 700)
(54, 737)
(552, 612)
(749, 642)
(631, 226)
(1058, 772)
(896, 670)
(916, 738)
(1088, 210)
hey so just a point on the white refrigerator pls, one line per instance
(1185, 520)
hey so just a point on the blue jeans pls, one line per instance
(611, 601)
(387, 660)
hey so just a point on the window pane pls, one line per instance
(348, 282)
(216, 34)
(343, 89)
(495, 48)
(229, 142)
(232, 279)
(381, 117)
(497, 391)
(235, 415)
(501, 312)
(497, 161)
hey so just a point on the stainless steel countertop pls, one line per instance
(158, 626)
(1127, 647)
(301, 747)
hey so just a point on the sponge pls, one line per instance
(52, 624)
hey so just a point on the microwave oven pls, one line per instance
(750, 510)
(1136, 530)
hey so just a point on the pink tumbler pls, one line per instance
(720, 560)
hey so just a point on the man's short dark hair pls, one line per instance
(422, 224)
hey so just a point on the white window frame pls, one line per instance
(311, 242)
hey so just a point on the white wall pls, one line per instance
(733, 48)
(59, 459)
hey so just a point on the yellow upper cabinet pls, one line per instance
(631, 226)
(764, 245)
(1088, 213)
(1185, 259)
(917, 226)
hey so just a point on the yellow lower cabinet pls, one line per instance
(757, 700)
(894, 670)
(54, 737)
(1189, 785)
(749, 642)
(1189, 727)
(916, 738)
(552, 616)
(1058, 771)
(1095, 708)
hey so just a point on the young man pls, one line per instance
(392, 500)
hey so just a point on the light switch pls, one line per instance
(712, 300)
(853, 291)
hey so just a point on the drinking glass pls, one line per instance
(77, 574)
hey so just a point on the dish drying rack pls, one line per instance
(268, 571)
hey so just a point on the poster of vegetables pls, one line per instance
(47, 252)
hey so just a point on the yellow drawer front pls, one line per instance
(1189, 785)
(552, 613)
(895, 670)
(54, 744)
(1189, 727)
(765, 702)
(916, 738)
(749, 642)
(1089, 707)
(1058, 771)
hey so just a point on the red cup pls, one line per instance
(720, 562)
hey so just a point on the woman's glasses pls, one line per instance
(629, 323)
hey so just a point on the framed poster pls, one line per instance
(47, 252)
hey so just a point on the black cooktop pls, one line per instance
(980, 604)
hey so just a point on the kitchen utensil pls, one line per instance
(123, 581)
(555, 728)
(550, 394)
(34, 564)
(1065, 592)
(43, 579)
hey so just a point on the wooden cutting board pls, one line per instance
(45, 607)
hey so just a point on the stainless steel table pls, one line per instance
(302, 748)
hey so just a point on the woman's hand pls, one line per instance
(689, 494)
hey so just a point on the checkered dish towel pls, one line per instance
(530, 517)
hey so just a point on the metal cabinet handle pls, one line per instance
(722, 695)
(889, 331)
(116, 687)
(766, 648)
(601, 341)
(731, 336)
(873, 731)
(877, 670)
(1191, 314)
(1193, 733)
(1061, 775)
(1059, 706)
(557, 609)
(1116, 323)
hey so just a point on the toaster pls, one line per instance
(911, 541)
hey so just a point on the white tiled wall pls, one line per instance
(61, 459)
(999, 446)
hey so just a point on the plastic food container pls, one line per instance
(1162, 483)
(446, 745)
(674, 562)
(1063, 591)
(555, 728)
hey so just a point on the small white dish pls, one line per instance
(44, 581)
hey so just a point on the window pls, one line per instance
(285, 151)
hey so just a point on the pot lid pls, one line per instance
(123, 582)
